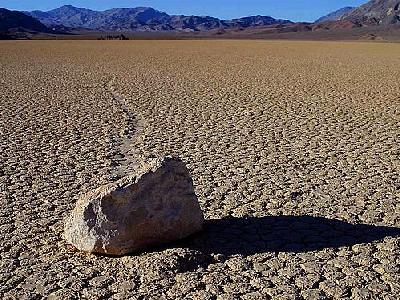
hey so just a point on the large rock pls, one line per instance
(156, 204)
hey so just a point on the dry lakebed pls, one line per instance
(293, 148)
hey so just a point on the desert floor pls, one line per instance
(294, 149)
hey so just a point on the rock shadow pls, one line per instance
(248, 236)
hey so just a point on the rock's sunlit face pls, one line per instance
(153, 205)
(292, 146)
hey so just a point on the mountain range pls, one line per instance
(72, 20)
(142, 19)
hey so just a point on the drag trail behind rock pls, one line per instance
(128, 156)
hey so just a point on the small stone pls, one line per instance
(154, 205)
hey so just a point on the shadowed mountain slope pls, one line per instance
(17, 21)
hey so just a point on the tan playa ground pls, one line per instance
(291, 145)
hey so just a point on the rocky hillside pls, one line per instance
(112, 19)
(14, 21)
(142, 19)
(336, 15)
(376, 12)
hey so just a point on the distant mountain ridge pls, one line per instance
(336, 15)
(143, 19)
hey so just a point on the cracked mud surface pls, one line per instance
(293, 148)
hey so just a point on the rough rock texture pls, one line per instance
(156, 204)
(376, 12)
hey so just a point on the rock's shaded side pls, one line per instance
(156, 204)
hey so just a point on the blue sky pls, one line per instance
(296, 10)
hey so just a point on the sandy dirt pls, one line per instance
(293, 148)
